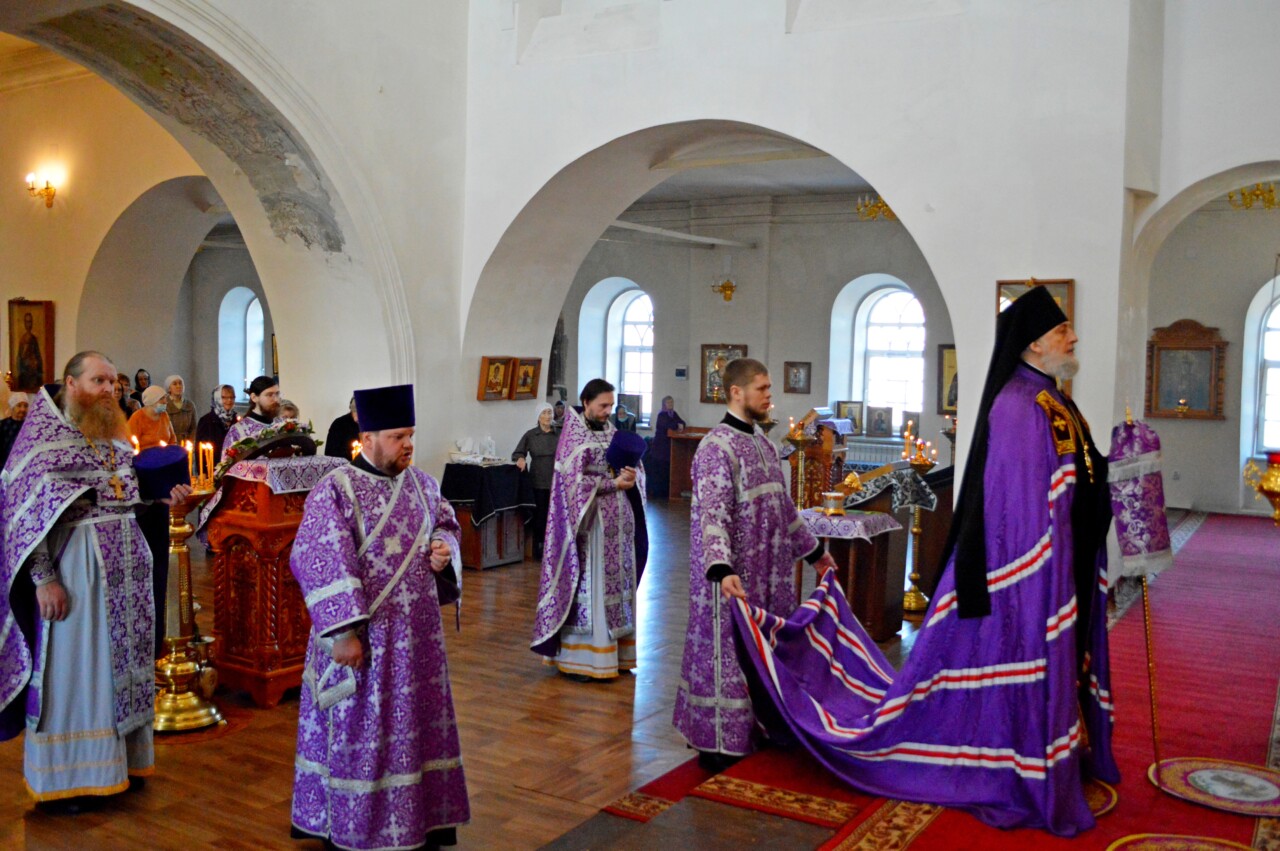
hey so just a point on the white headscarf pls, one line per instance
(18, 398)
(172, 400)
(151, 396)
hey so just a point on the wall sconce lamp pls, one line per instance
(36, 191)
(725, 288)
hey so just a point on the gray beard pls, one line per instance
(1067, 369)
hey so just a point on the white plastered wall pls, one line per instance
(997, 135)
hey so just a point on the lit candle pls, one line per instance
(191, 469)
(355, 448)
(163, 443)
(134, 438)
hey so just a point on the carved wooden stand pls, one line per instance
(259, 618)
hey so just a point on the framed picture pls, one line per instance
(1062, 290)
(715, 357)
(31, 344)
(912, 417)
(851, 411)
(1186, 372)
(795, 376)
(948, 380)
(524, 379)
(879, 422)
(495, 378)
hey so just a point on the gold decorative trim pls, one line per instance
(796, 805)
(1060, 422)
(639, 806)
(895, 825)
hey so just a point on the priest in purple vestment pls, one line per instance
(76, 621)
(379, 765)
(585, 622)
(745, 537)
(1003, 707)
(264, 407)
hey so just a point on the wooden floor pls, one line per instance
(542, 753)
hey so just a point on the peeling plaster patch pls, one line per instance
(167, 71)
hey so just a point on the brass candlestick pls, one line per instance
(797, 438)
(184, 676)
(1266, 483)
(914, 600)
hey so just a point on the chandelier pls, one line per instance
(1264, 193)
(871, 209)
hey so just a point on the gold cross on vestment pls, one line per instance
(116, 485)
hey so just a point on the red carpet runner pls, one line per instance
(1216, 625)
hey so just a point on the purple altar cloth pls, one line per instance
(282, 475)
(855, 524)
(1137, 499)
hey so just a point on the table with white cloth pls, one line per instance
(857, 541)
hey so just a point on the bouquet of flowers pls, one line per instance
(249, 446)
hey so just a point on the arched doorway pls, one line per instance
(567, 238)
(316, 240)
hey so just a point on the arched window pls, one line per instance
(634, 343)
(889, 352)
(1269, 382)
(253, 340)
(234, 338)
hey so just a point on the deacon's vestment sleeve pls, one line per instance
(445, 527)
(713, 477)
(325, 563)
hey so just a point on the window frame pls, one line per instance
(862, 353)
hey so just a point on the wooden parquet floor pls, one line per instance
(542, 753)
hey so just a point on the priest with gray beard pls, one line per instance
(76, 619)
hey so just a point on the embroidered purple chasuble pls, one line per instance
(53, 481)
(1002, 715)
(379, 764)
(584, 494)
(742, 516)
(246, 427)
(82, 687)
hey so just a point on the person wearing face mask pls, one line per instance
(585, 623)
(539, 443)
(379, 764)
(222, 415)
(151, 425)
(181, 411)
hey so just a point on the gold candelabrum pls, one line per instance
(922, 457)
(796, 437)
(185, 677)
(1263, 193)
(869, 209)
(1266, 482)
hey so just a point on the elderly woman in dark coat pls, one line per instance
(539, 443)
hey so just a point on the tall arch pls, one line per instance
(534, 263)
(307, 216)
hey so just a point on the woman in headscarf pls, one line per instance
(181, 411)
(222, 415)
(658, 466)
(12, 424)
(539, 443)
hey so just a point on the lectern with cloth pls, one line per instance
(259, 618)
